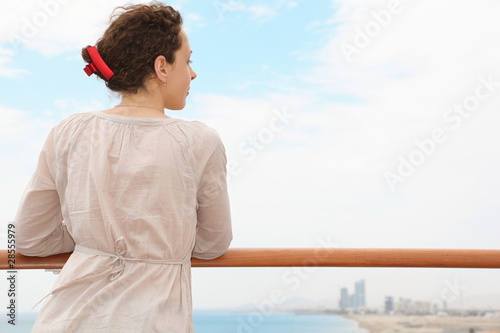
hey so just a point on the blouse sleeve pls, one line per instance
(40, 230)
(213, 231)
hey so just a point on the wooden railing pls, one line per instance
(321, 257)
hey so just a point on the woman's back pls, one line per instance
(124, 175)
(139, 197)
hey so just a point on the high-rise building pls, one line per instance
(344, 299)
(356, 300)
(353, 301)
(359, 291)
(389, 304)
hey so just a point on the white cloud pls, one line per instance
(192, 21)
(7, 71)
(415, 69)
(420, 41)
(6, 58)
(6, 52)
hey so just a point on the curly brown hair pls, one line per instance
(135, 38)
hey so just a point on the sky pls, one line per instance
(351, 124)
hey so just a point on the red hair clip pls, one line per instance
(97, 64)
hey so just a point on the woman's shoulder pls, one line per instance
(197, 125)
(70, 123)
(201, 132)
(73, 119)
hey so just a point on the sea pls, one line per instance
(237, 322)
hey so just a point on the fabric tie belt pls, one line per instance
(117, 266)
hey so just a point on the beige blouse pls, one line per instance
(139, 197)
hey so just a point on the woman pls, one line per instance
(134, 193)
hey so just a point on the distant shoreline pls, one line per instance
(387, 324)
(426, 324)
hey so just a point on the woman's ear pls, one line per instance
(162, 68)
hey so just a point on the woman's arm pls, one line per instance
(39, 223)
(213, 232)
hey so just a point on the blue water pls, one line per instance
(237, 322)
(269, 322)
(24, 321)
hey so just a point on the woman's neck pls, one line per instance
(141, 104)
